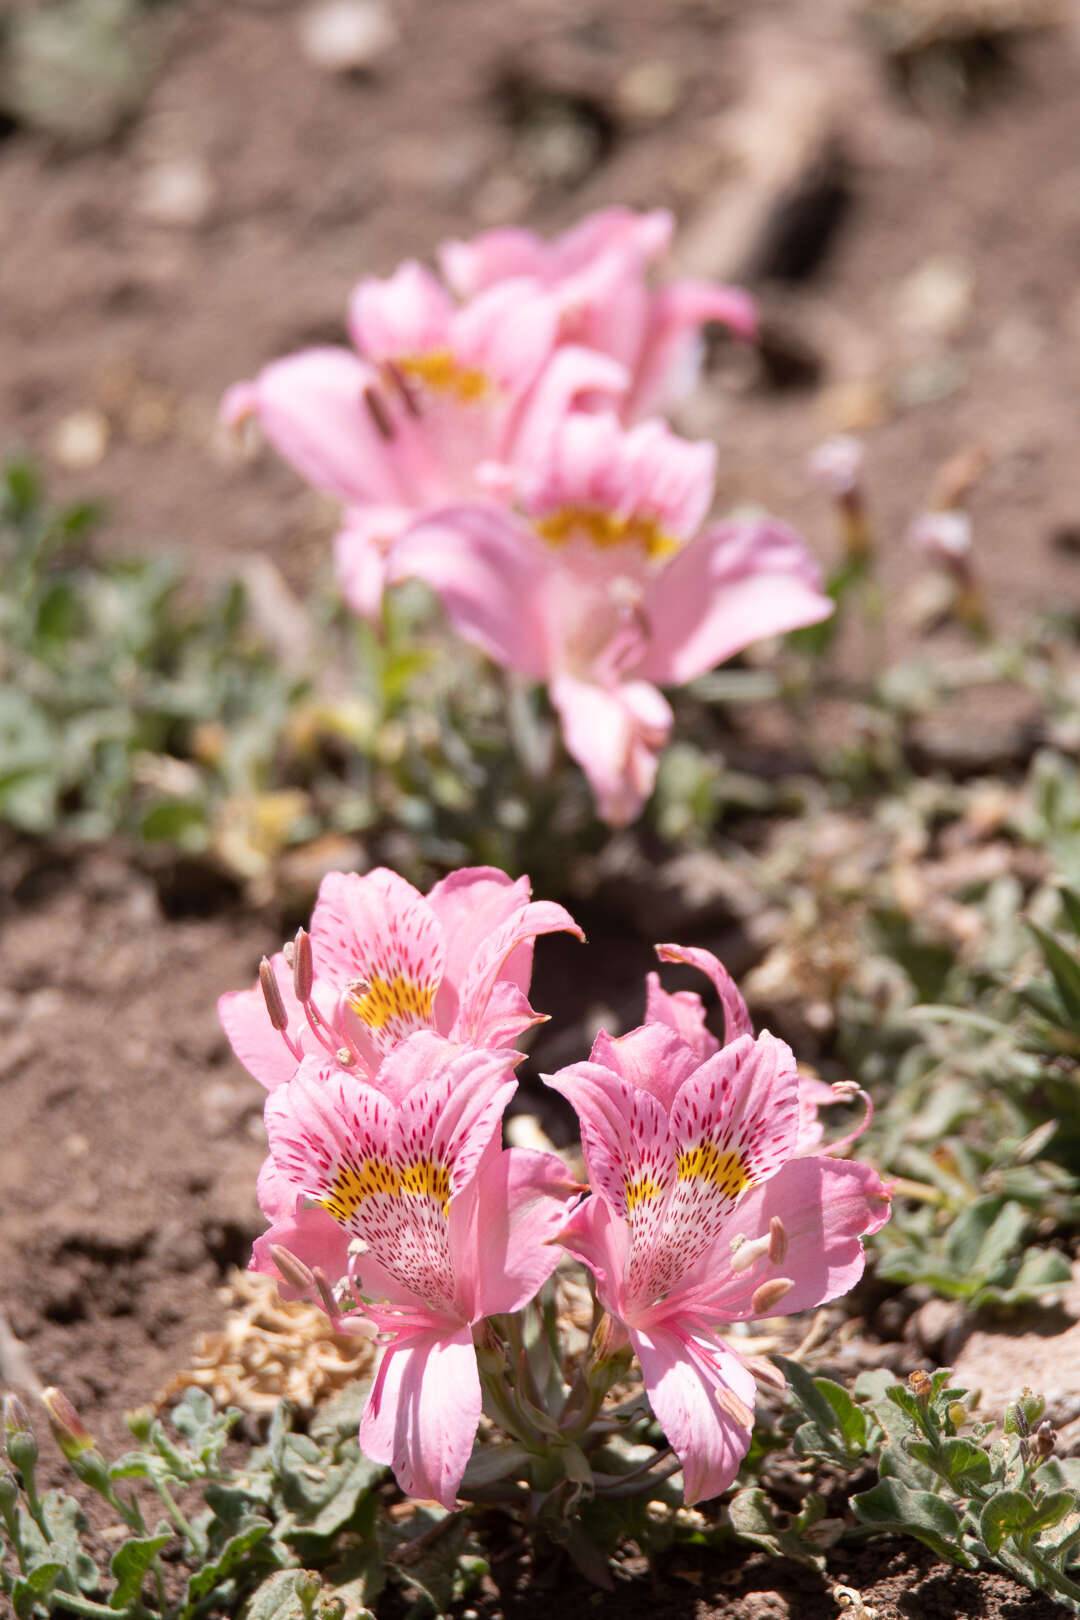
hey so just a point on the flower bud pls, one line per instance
(21, 1442)
(9, 1495)
(1045, 1440)
(69, 1430)
(921, 1385)
(140, 1422)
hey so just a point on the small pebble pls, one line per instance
(79, 441)
(177, 192)
(346, 36)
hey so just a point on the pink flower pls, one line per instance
(603, 584)
(425, 1225)
(597, 272)
(703, 1214)
(386, 961)
(429, 410)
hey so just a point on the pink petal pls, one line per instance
(733, 585)
(703, 1398)
(507, 333)
(360, 550)
(503, 1229)
(314, 1237)
(681, 1011)
(451, 1117)
(377, 930)
(574, 378)
(736, 1013)
(672, 347)
(826, 1206)
(252, 1036)
(470, 904)
(423, 1411)
(493, 256)
(600, 1239)
(743, 1102)
(311, 407)
(656, 1059)
(615, 734)
(491, 577)
(408, 313)
(624, 1135)
(500, 948)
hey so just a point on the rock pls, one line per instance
(347, 36)
(648, 92)
(936, 298)
(79, 441)
(176, 192)
(940, 1327)
(1045, 1358)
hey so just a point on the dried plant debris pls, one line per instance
(270, 1348)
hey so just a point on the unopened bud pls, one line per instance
(292, 1269)
(957, 1414)
(777, 1240)
(69, 1430)
(763, 1299)
(19, 1437)
(272, 996)
(303, 966)
(140, 1422)
(1045, 1440)
(920, 1385)
(9, 1495)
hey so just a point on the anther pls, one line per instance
(379, 414)
(777, 1240)
(746, 1252)
(272, 996)
(293, 1269)
(356, 988)
(344, 1057)
(288, 952)
(400, 382)
(303, 966)
(769, 1294)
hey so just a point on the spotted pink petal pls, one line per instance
(450, 1119)
(651, 1057)
(703, 1398)
(423, 1411)
(377, 931)
(826, 1206)
(624, 1135)
(470, 904)
(734, 584)
(742, 1102)
(736, 1013)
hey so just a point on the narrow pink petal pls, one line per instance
(682, 1011)
(503, 1229)
(703, 1398)
(498, 949)
(493, 256)
(360, 550)
(735, 584)
(615, 733)
(671, 350)
(311, 407)
(507, 333)
(470, 904)
(827, 1206)
(376, 930)
(736, 1013)
(491, 574)
(406, 314)
(422, 1413)
(574, 378)
(624, 1134)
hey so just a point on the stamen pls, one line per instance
(400, 382)
(729, 1402)
(272, 996)
(777, 1240)
(746, 1252)
(379, 414)
(303, 965)
(345, 1057)
(769, 1294)
(287, 952)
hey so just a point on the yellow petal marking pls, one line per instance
(399, 997)
(425, 1178)
(606, 530)
(725, 1170)
(443, 374)
(640, 1189)
(355, 1182)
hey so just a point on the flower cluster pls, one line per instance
(495, 433)
(384, 1037)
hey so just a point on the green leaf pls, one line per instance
(956, 1459)
(892, 1505)
(228, 1561)
(67, 1525)
(1064, 969)
(35, 1584)
(751, 1514)
(1007, 1513)
(176, 821)
(812, 1397)
(129, 1565)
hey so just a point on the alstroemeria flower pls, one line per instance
(402, 1193)
(703, 1214)
(388, 961)
(432, 406)
(597, 271)
(602, 583)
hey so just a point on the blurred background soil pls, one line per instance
(900, 185)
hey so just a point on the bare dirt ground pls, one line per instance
(930, 302)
